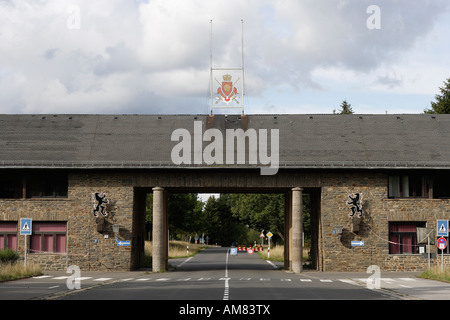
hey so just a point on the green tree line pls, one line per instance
(230, 218)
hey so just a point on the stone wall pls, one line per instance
(85, 246)
(373, 228)
(91, 250)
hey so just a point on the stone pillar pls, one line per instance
(297, 230)
(158, 254)
(288, 231)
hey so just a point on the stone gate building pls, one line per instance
(375, 181)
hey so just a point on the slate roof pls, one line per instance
(144, 141)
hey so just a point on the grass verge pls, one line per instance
(177, 249)
(277, 254)
(14, 271)
(436, 273)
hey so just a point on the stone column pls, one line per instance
(158, 263)
(297, 230)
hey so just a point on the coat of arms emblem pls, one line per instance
(227, 92)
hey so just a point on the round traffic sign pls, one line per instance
(249, 251)
(442, 243)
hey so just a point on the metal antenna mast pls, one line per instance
(226, 95)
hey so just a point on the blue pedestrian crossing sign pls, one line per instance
(442, 228)
(25, 226)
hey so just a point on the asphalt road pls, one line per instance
(214, 275)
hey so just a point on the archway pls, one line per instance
(293, 244)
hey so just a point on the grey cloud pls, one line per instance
(51, 53)
(152, 59)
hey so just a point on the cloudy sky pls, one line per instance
(301, 56)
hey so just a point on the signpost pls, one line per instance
(25, 230)
(269, 236)
(442, 244)
(357, 243)
(262, 237)
(425, 235)
(442, 228)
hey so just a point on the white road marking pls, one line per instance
(102, 279)
(162, 279)
(226, 291)
(348, 281)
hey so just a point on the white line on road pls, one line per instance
(42, 277)
(348, 281)
(185, 261)
(226, 292)
(272, 264)
(184, 279)
(102, 279)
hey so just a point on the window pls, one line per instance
(47, 186)
(441, 188)
(409, 186)
(8, 235)
(37, 185)
(403, 237)
(48, 237)
(11, 186)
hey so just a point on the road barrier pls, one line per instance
(254, 248)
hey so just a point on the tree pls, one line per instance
(185, 214)
(267, 212)
(221, 227)
(346, 108)
(260, 211)
(442, 104)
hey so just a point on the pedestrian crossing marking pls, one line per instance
(42, 277)
(302, 280)
(102, 279)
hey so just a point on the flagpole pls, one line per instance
(243, 82)
(211, 69)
